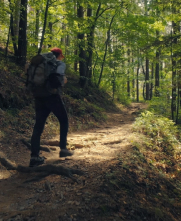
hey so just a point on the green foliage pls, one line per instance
(161, 101)
(123, 98)
(160, 106)
(161, 132)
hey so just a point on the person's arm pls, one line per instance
(61, 70)
(65, 80)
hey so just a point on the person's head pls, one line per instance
(58, 53)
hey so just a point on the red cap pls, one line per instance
(57, 50)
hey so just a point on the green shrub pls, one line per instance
(160, 130)
(163, 107)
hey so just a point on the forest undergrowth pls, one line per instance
(129, 158)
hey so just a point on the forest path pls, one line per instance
(31, 197)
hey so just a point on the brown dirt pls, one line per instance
(96, 152)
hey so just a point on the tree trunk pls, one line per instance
(44, 27)
(12, 30)
(147, 60)
(7, 43)
(128, 74)
(50, 25)
(157, 70)
(22, 41)
(75, 62)
(67, 44)
(82, 54)
(137, 82)
(16, 19)
(37, 26)
(75, 43)
(90, 39)
(147, 80)
(174, 74)
(63, 37)
(105, 53)
(151, 84)
(133, 81)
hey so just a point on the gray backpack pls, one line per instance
(38, 73)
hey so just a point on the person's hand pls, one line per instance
(65, 80)
(26, 67)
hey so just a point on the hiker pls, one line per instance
(43, 107)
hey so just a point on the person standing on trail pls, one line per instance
(43, 107)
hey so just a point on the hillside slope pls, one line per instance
(84, 107)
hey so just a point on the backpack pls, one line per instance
(41, 67)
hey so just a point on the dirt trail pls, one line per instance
(31, 197)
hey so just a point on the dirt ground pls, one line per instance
(30, 196)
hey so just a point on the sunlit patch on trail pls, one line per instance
(4, 174)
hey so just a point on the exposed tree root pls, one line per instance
(7, 163)
(27, 143)
(51, 169)
(46, 168)
(50, 142)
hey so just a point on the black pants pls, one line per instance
(43, 107)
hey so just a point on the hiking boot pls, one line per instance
(65, 153)
(36, 161)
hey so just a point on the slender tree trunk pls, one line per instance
(37, 26)
(67, 44)
(174, 74)
(93, 71)
(75, 62)
(137, 82)
(157, 69)
(179, 91)
(133, 81)
(147, 80)
(128, 74)
(113, 85)
(7, 43)
(50, 25)
(22, 41)
(105, 53)
(82, 54)
(147, 60)
(175, 106)
(16, 19)
(90, 39)
(75, 44)
(63, 38)
(151, 84)
(44, 27)
(12, 30)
